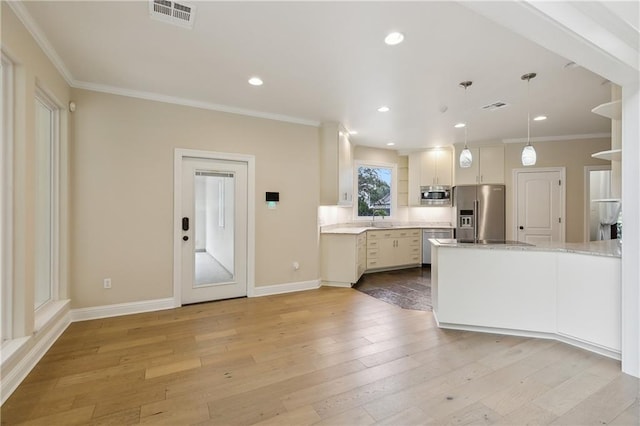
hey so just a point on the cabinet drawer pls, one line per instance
(416, 259)
(362, 238)
(372, 263)
(415, 242)
(415, 250)
(372, 253)
(378, 235)
(372, 244)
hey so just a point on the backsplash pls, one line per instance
(332, 215)
(431, 214)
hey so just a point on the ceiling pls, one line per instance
(327, 61)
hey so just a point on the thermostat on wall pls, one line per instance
(272, 199)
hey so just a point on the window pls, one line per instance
(376, 186)
(6, 178)
(47, 131)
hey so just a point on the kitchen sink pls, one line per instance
(381, 224)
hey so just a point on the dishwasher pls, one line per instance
(441, 233)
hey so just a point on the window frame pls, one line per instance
(6, 199)
(44, 97)
(394, 186)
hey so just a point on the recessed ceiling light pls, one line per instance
(383, 108)
(391, 144)
(255, 81)
(459, 125)
(394, 38)
(540, 118)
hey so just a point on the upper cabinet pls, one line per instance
(432, 167)
(336, 166)
(487, 166)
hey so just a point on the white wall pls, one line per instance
(220, 241)
(200, 214)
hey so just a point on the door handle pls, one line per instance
(521, 228)
(185, 223)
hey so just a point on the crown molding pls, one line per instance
(157, 97)
(559, 138)
(27, 20)
(42, 41)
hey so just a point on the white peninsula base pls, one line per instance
(555, 292)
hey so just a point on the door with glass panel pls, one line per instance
(214, 229)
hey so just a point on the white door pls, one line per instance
(540, 211)
(214, 229)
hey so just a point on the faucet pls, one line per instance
(377, 212)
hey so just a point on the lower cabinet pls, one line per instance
(393, 248)
(343, 258)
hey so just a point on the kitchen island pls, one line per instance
(568, 292)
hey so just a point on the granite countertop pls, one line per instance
(607, 248)
(358, 228)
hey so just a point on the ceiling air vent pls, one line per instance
(173, 12)
(494, 106)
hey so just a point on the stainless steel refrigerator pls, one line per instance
(480, 213)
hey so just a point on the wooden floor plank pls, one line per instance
(330, 356)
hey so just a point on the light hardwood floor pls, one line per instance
(330, 357)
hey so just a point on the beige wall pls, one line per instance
(573, 155)
(122, 191)
(32, 69)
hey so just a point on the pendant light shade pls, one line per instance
(529, 156)
(466, 159)
(528, 153)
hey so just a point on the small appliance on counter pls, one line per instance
(480, 212)
(435, 195)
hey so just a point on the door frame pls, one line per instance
(563, 196)
(250, 161)
(587, 195)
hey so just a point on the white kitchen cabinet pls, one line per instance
(487, 166)
(393, 248)
(432, 167)
(336, 166)
(343, 258)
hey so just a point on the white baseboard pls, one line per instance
(336, 284)
(106, 311)
(268, 290)
(41, 342)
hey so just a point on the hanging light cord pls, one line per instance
(528, 112)
(466, 84)
(467, 121)
(528, 77)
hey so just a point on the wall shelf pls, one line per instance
(611, 110)
(612, 154)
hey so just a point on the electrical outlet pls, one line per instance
(107, 283)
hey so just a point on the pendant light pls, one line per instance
(529, 152)
(466, 159)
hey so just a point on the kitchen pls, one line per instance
(288, 233)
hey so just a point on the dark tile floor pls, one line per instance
(407, 288)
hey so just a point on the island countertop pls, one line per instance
(607, 248)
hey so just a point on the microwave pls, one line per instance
(435, 195)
